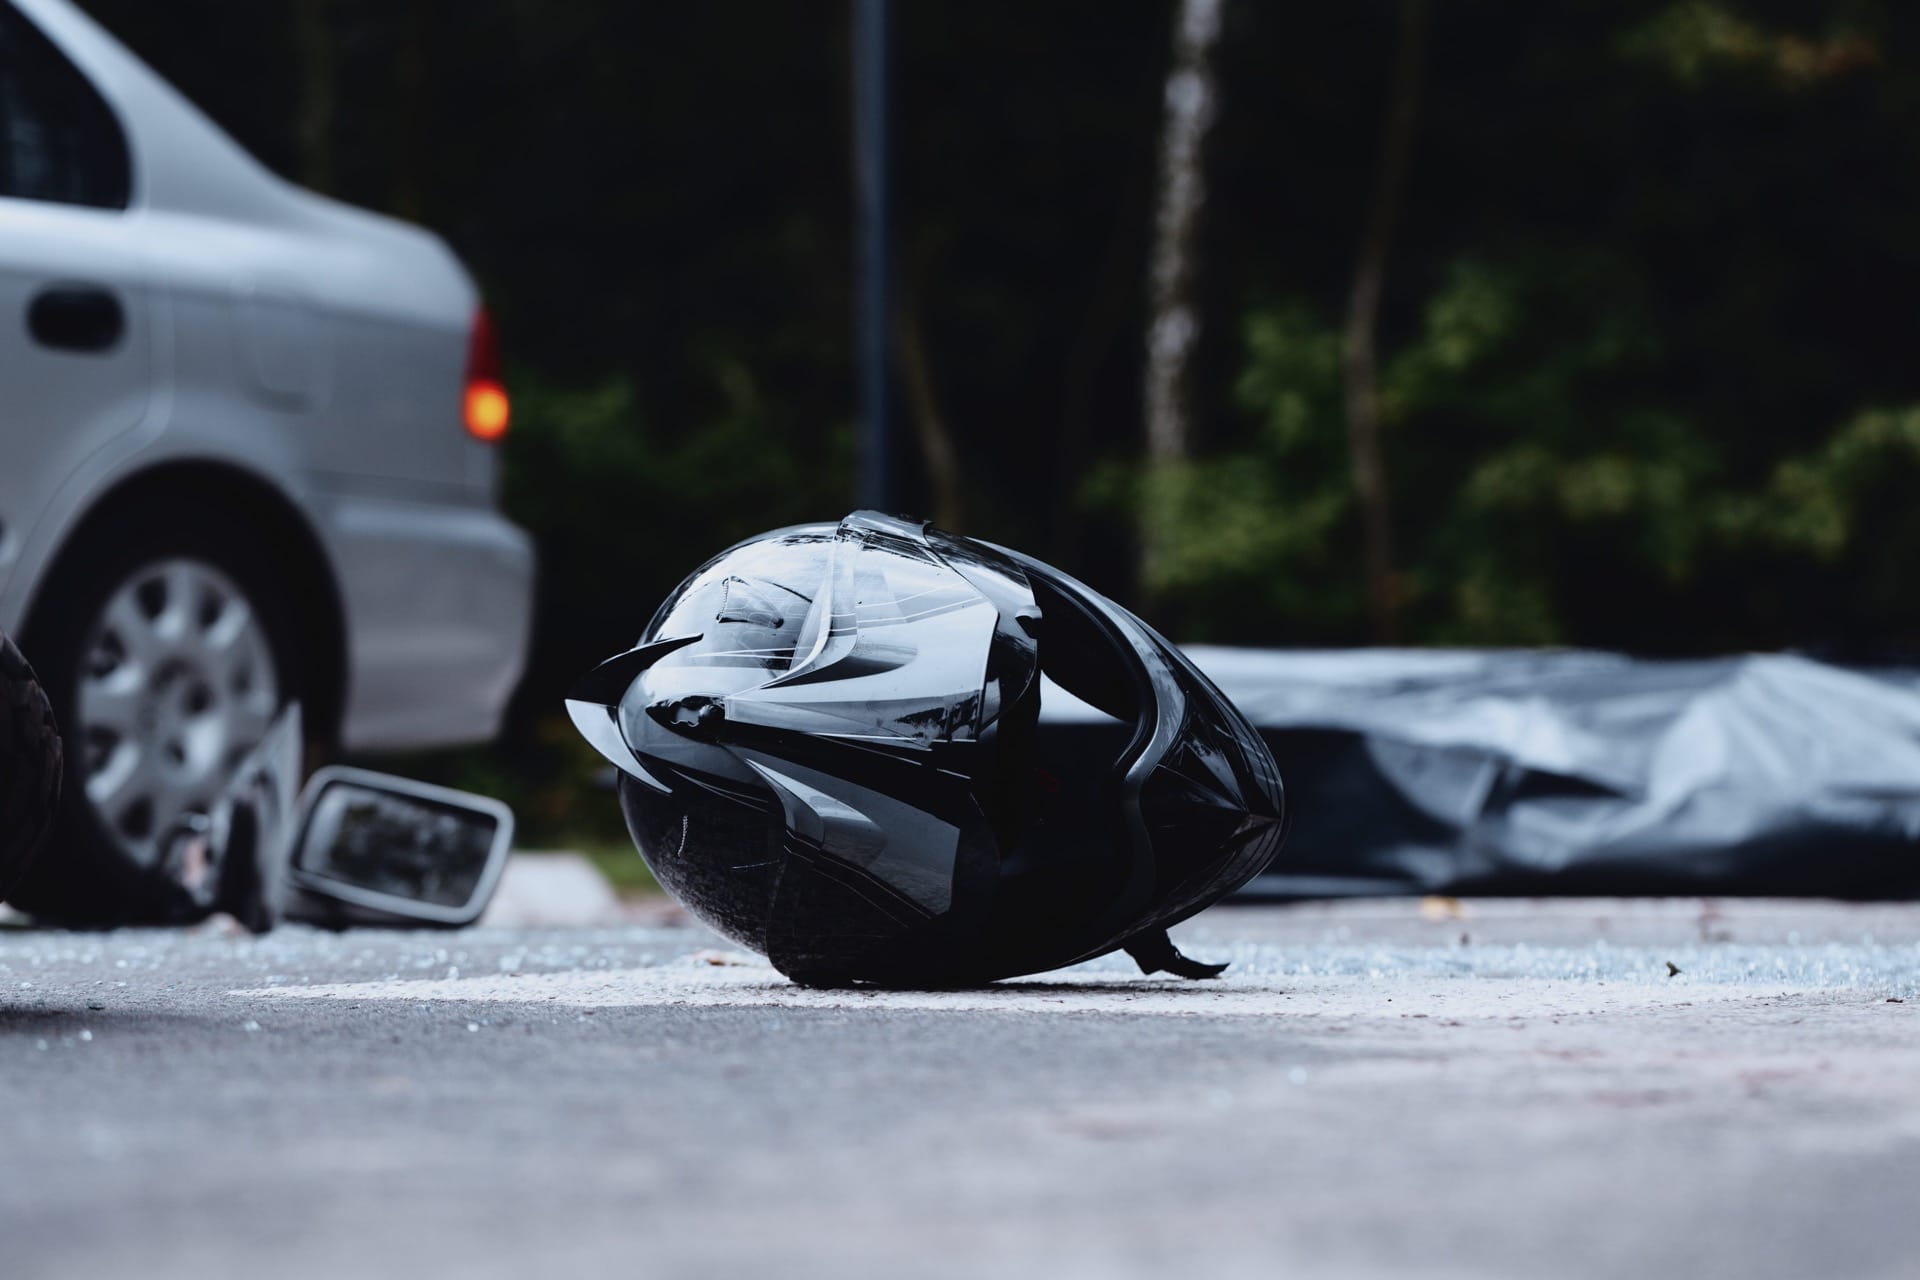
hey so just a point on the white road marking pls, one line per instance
(748, 981)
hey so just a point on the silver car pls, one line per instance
(247, 448)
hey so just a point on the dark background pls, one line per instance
(1647, 365)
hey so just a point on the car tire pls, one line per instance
(203, 559)
(29, 766)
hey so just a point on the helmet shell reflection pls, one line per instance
(831, 752)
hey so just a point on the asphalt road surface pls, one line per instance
(1387, 1088)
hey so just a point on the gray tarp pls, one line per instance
(1569, 772)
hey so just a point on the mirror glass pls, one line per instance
(434, 849)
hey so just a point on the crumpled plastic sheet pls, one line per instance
(1513, 772)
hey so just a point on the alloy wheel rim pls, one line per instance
(176, 685)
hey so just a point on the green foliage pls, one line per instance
(1228, 521)
(1694, 38)
(1265, 532)
(1641, 383)
(1820, 505)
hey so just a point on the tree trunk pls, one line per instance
(1174, 319)
(937, 449)
(1363, 319)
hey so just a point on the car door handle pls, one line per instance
(77, 317)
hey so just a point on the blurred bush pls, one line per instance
(1531, 486)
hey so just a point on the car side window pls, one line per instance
(59, 140)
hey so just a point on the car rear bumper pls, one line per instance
(438, 599)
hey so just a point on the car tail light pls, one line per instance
(486, 407)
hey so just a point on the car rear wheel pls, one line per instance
(169, 647)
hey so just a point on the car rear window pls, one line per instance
(59, 140)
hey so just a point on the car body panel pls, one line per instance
(68, 404)
(435, 585)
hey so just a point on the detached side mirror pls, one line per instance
(375, 849)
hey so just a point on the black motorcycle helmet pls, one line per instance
(830, 750)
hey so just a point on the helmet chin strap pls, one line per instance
(1154, 952)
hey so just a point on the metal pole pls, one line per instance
(873, 250)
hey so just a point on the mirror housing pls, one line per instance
(375, 849)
